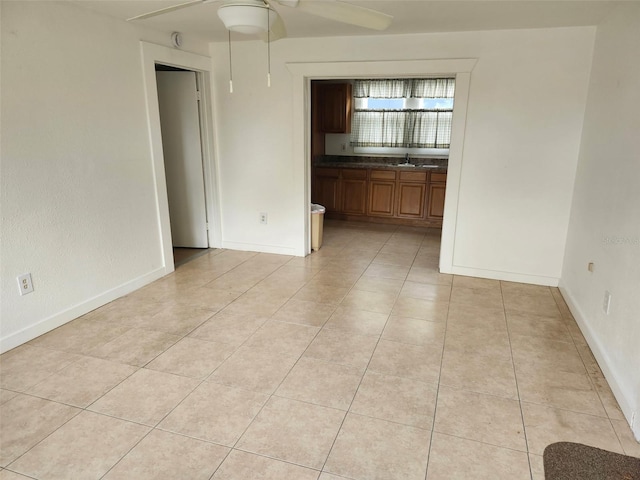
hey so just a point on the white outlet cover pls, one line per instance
(606, 303)
(25, 284)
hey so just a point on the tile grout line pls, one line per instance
(515, 376)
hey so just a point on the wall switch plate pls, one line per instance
(263, 218)
(606, 302)
(25, 284)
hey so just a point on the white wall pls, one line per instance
(605, 217)
(526, 105)
(77, 192)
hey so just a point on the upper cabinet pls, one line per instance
(334, 103)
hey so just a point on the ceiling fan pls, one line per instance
(253, 16)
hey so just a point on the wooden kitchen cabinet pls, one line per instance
(412, 190)
(354, 191)
(334, 103)
(382, 193)
(437, 187)
(326, 188)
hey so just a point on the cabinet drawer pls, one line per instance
(438, 177)
(383, 175)
(413, 176)
(328, 172)
(354, 174)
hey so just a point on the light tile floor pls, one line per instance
(360, 361)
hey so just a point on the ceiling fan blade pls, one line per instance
(346, 13)
(166, 10)
(277, 31)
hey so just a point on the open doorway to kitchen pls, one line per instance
(367, 177)
(304, 73)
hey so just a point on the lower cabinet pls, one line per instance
(325, 188)
(382, 193)
(354, 192)
(435, 202)
(391, 196)
(412, 189)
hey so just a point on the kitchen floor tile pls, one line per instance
(355, 320)
(167, 456)
(135, 347)
(491, 375)
(321, 383)
(193, 358)
(282, 338)
(303, 312)
(215, 413)
(414, 331)
(545, 425)
(242, 465)
(293, 431)
(407, 361)
(82, 382)
(370, 301)
(420, 309)
(86, 447)
(227, 328)
(396, 399)
(484, 418)
(137, 400)
(459, 458)
(26, 421)
(255, 370)
(25, 366)
(372, 448)
(343, 348)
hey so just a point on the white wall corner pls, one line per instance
(629, 406)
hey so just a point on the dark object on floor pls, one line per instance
(574, 461)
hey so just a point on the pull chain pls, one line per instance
(230, 66)
(268, 49)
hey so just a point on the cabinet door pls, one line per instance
(335, 107)
(411, 198)
(354, 196)
(325, 189)
(381, 198)
(436, 201)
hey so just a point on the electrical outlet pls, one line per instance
(25, 284)
(263, 218)
(606, 302)
(343, 147)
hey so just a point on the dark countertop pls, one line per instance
(390, 163)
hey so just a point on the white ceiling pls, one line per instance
(410, 16)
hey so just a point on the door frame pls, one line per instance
(303, 73)
(202, 66)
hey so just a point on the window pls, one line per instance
(409, 114)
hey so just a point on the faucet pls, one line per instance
(406, 158)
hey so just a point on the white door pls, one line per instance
(180, 125)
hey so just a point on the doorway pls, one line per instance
(180, 113)
(153, 54)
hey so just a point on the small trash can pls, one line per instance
(317, 222)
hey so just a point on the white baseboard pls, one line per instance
(601, 356)
(497, 275)
(255, 247)
(54, 321)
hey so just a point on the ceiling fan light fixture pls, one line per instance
(247, 18)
